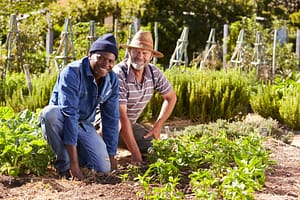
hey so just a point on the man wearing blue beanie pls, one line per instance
(67, 122)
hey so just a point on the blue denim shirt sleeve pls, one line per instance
(110, 117)
(68, 98)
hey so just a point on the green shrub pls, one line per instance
(205, 95)
(221, 160)
(279, 101)
(290, 107)
(265, 101)
(18, 96)
(23, 149)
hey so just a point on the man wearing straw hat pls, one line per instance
(138, 81)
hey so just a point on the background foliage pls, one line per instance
(213, 92)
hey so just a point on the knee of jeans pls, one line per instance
(51, 114)
(103, 166)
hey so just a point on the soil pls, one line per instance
(282, 180)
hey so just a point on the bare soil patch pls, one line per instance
(282, 179)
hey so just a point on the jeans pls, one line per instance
(91, 149)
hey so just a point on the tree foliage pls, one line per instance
(21, 9)
(81, 10)
(172, 16)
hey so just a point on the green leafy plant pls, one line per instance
(23, 149)
(221, 160)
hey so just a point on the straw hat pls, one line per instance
(143, 40)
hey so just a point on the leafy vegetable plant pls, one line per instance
(220, 160)
(22, 147)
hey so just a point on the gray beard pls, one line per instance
(137, 67)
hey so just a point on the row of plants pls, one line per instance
(16, 92)
(206, 95)
(220, 160)
(203, 96)
(279, 101)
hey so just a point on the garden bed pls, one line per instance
(282, 180)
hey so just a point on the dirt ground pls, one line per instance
(282, 180)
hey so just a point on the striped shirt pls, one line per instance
(137, 95)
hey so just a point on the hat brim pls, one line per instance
(155, 53)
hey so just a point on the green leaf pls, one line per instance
(6, 113)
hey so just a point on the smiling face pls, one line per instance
(139, 58)
(101, 63)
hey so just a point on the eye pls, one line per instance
(98, 56)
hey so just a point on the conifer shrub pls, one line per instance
(18, 96)
(279, 101)
(205, 96)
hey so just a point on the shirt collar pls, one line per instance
(87, 66)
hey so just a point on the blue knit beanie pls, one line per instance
(106, 43)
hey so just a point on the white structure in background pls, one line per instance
(209, 47)
(237, 56)
(66, 51)
(180, 55)
(259, 52)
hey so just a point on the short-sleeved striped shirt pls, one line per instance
(136, 95)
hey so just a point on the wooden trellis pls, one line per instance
(12, 42)
(12, 39)
(258, 54)
(237, 56)
(210, 47)
(66, 46)
(180, 55)
(133, 29)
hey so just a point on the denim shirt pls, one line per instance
(77, 94)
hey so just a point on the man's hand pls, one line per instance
(113, 163)
(166, 110)
(74, 166)
(76, 173)
(136, 159)
(154, 132)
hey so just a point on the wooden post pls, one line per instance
(92, 33)
(137, 24)
(225, 35)
(116, 28)
(298, 48)
(155, 41)
(49, 39)
(274, 53)
(12, 38)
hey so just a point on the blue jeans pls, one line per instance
(91, 149)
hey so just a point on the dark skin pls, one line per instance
(101, 64)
